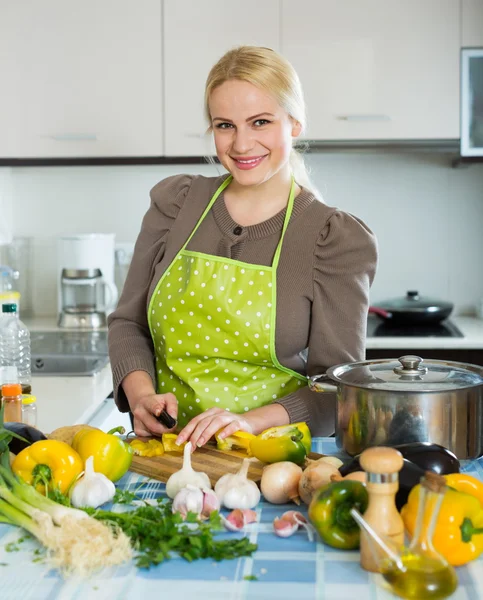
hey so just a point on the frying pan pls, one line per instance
(412, 309)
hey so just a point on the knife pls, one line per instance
(166, 419)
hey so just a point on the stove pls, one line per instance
(378, 328)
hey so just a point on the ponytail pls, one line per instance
(301, 173)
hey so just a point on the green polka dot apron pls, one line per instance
(212, 321)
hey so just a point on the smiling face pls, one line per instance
(253, 133)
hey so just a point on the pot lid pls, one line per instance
(408, 374)
(413, 301)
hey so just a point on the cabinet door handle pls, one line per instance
(363, 118)
(74, 137)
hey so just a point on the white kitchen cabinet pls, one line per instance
(376, 69)
(196, 33)
(80, 78)
(471, 23)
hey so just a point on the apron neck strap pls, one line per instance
(288, 214)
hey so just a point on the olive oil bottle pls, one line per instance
(420, 572)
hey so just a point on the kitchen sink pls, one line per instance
(63, 365)
(66, 353)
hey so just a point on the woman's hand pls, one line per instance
(202, 427)
(146, 408)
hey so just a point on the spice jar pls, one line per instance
(29, 410)
(12, 401)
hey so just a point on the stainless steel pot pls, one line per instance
(397, 401)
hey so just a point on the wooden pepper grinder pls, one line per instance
(382, 466)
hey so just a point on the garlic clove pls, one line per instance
(297, 517)
(238, 518)
(210, 503)
(235, 521)
(250, 516)
(294, 516)
(284, 528)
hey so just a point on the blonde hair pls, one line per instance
(272, 73)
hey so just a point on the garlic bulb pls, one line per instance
(191, 499)
(188, 499)
(93, 489)
(237, 491)
(186, 475)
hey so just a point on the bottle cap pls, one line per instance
(381, 460)
(11, 389)
(29, 399)
(9, 308)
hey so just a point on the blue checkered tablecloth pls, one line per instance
(286, 569)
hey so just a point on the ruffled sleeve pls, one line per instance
(345, 261)
(344, 266)
(130, 343)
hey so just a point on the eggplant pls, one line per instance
(418, 457)
(430, 457)
(29, 433)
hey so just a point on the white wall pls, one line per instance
(427, 216)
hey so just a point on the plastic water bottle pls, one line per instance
(15, 346)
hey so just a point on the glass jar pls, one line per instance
(82, 291)
(29, 410)
(12, 402)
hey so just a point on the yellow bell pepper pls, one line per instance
(459, 526)
(279, 444)
(170, 445)
(48, 464)
(461, 482)
(240, 440)
(306, 435)
(150, 448)
(112, 456)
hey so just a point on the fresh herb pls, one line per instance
(250, 578)
(124, 497)
(11, 547)
(3, 564)
(158, 534)
(57, 496)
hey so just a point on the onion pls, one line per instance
(280, 482)
(315, 476)
(355, 476)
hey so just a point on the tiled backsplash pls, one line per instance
(428, 217)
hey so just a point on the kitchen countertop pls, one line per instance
(285, 568)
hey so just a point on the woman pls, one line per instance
(241, 285)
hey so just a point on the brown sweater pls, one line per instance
(327, 265)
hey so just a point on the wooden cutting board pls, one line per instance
(208, 459)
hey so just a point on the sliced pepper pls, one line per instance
(279, 444)
(461, 482)
(170, 445)
(458, 534)
(149, 448)
(112, 456)
(48, 465)
(329, 513)
(240, 440)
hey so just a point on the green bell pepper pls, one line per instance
(329, 512)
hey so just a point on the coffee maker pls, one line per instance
(86, 293)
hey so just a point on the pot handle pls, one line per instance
(322, 383)
(380, 312)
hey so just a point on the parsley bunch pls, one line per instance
(156, 534)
